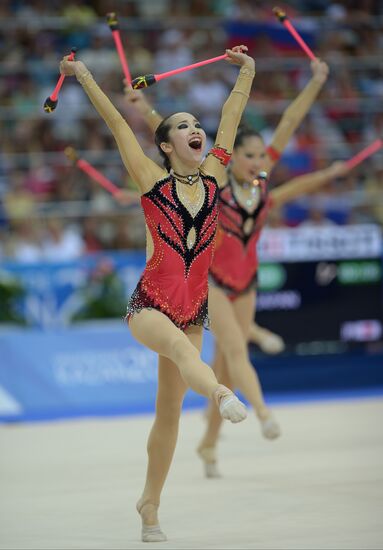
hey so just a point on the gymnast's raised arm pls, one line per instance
(232, 111)
(143, 170)
(295, 113)
(307, 183)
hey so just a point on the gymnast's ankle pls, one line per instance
(148, 511)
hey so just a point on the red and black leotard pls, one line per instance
(235, 262)
(175, 280)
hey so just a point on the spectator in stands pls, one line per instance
(347, 117)
(62, 243)
(25, 244)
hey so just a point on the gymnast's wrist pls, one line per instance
(248, 69)
(80, 70)
(318, 80)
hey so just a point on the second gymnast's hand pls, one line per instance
(238, 56)
(134, 96)
(71, 68)
(338, 169)
(320, 70)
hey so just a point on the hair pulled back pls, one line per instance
(161, 135)
(244, 132)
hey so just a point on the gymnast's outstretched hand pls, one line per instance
(338, 169)
(71, 68)
(238, 56)
(320, 70)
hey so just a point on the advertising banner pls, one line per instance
(322, 283)
(94, 370)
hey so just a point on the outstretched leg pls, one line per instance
(153, 329)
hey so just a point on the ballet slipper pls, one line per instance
(270, 427)
(271, 344)
(230, 407)
(209, 459)
(150, 533)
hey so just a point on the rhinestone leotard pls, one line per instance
(175, 280)
(235, 264)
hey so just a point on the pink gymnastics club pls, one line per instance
(364, 153)
(113, 24)
(50, 103)
(92, 172)
(286, 23)
(149, 79)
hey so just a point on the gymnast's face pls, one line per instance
(248, 159)
(187, 140)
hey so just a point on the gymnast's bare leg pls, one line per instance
(231, 321)
(180, 367)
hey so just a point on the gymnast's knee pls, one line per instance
(233, 348)
(168, 411)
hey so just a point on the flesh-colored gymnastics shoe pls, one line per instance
(272, 344)
(270, 428)
(150, 533)
(230, 407)
(209, 459)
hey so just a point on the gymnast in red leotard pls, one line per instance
(242, 212)
(170, 301)
(235, 264)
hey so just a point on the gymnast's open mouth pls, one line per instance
(196, 143)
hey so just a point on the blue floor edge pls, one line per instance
(290, 398)
(324, 395)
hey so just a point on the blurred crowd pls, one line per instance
(50, 210)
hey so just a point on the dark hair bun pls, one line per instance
(244, 132)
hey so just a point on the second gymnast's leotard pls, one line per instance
(235, 263)
(175, 279)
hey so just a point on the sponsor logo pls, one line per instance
(325, 273)
(8, 404)
(320, 348)
(271, 276)
(97, 368)
(349, 273)
(359, 273)
(320, 243)
(366, 330)
(285, 300)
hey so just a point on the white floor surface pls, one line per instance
(73, 484)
